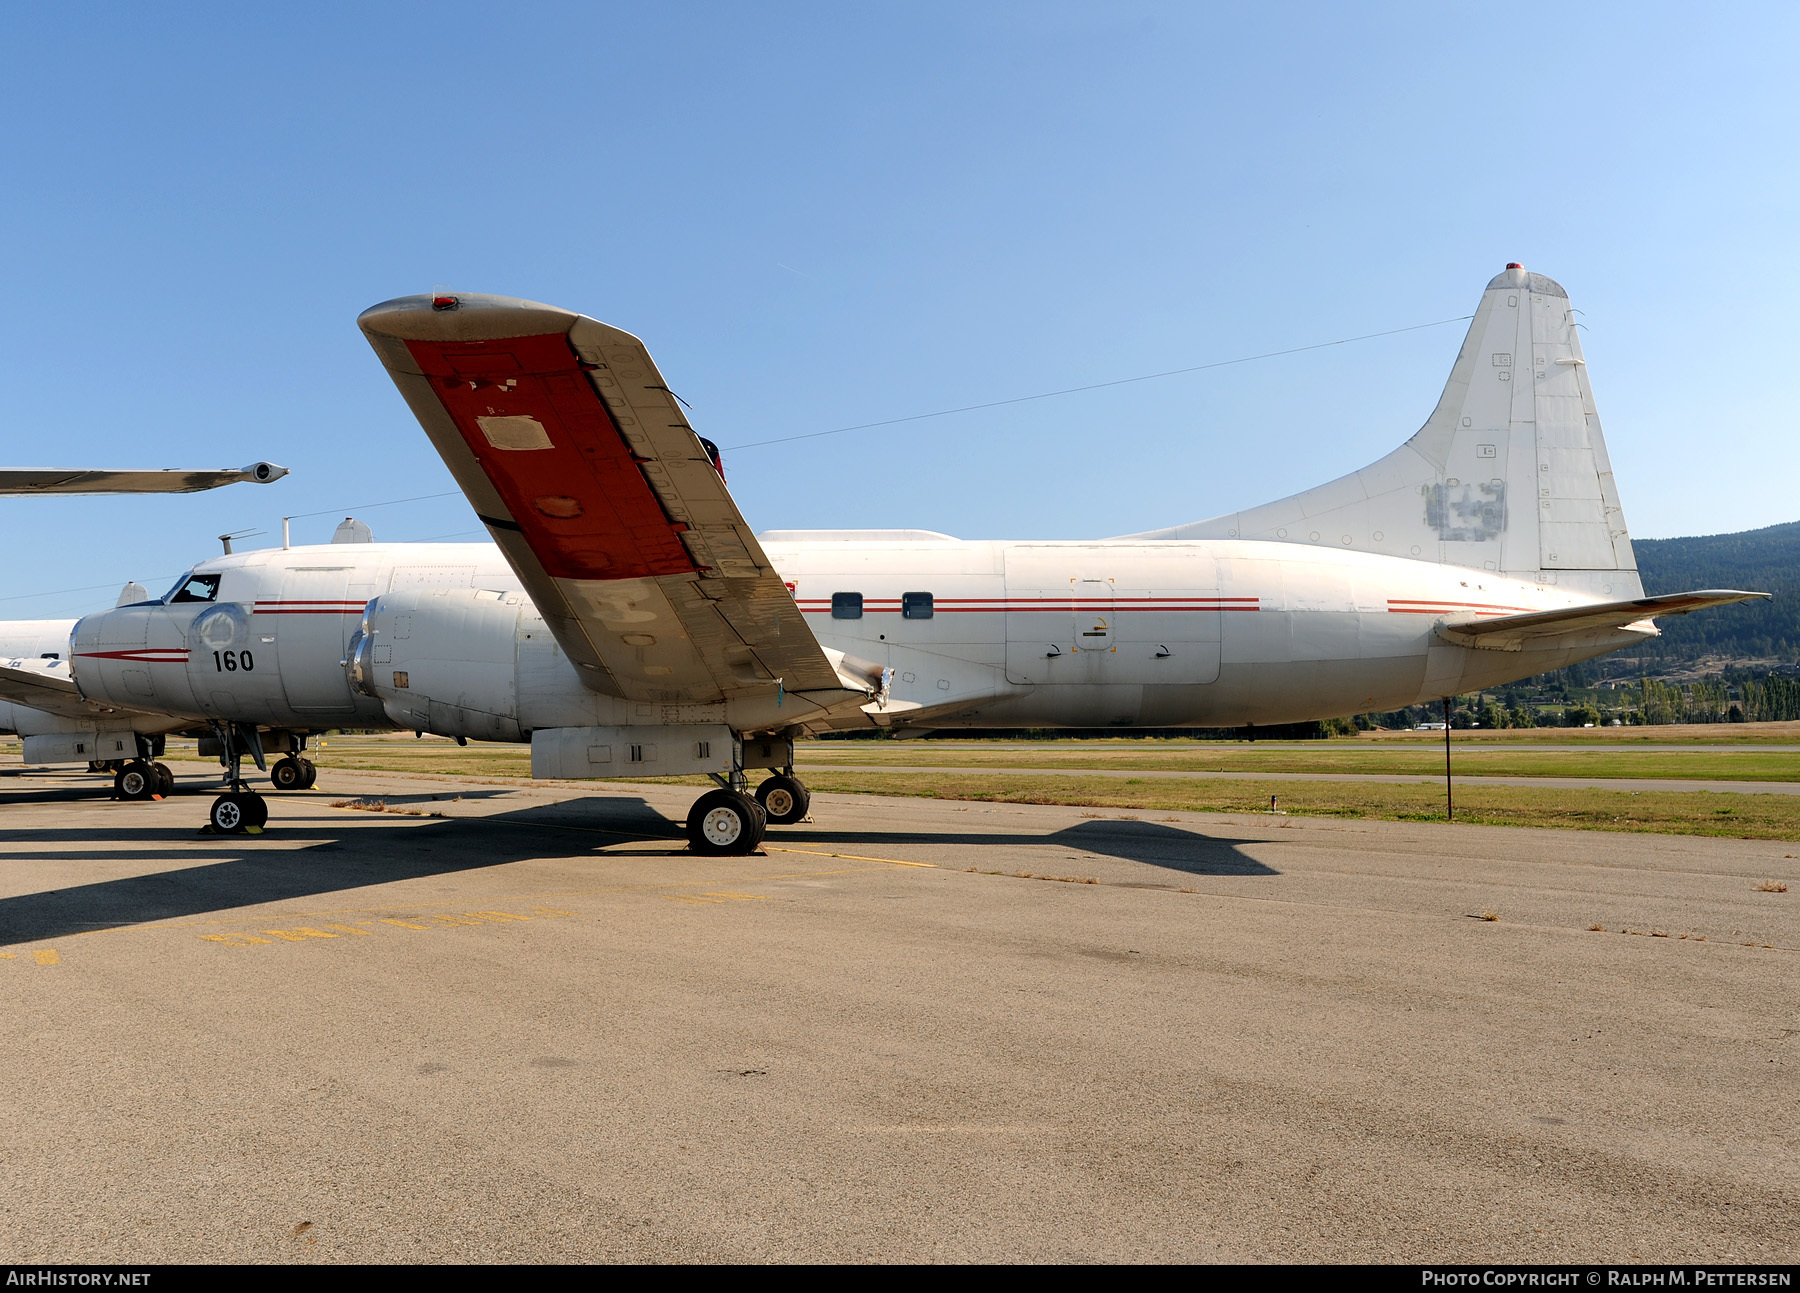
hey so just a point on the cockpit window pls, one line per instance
(197, 588)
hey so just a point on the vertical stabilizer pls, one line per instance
(1509, 474)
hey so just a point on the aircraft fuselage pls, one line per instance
(980, 634)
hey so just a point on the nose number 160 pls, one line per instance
(232, 661)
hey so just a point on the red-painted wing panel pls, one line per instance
(528, 413)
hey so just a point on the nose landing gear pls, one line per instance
(240, 809)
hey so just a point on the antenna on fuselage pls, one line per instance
(239, 534)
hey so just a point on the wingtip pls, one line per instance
(462, 316)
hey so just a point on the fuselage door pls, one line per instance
(1059, 624)
(1091, 600)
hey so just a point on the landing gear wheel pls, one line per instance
(228, 816)
(237, 811)
(137, 780)
(312, 774)
(165, 780)
(784, 799)
(288, 774)
(723, 823)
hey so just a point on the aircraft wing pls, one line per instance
(46, 685)
(578, 459)
(1513, 632)
(81, 480)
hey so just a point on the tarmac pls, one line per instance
(519, 1022)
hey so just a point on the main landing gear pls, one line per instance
(295, 772)
(725, 823)
(784, 798)
(143, 779)
(730, 822)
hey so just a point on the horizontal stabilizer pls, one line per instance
(1512, 632)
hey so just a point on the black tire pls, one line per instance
(312, 774)
(723, 823)
(287, 774)
(256, 809)
(229, 816)
(165, 780)
(784, 799)
(137, 780)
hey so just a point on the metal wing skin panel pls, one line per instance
(563, 435)
(49, 688)
(1509, 630)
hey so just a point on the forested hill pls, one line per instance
(1766, 560)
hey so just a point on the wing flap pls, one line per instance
(1512, 632)
(577, 457)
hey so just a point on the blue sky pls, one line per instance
(818, 215)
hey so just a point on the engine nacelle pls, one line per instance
(442, 660)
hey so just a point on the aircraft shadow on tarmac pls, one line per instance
(211, 874)
(322, 858)
(1150, 843)
(24, 792)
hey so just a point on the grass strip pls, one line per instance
(1710, 765)
(1736, 816)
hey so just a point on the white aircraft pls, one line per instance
(629, 624)
(34, 652)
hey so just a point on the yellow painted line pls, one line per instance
(7, 955)
(47, 956)
(850, 857)
(542, 913)
(682, 897)
(738, 897)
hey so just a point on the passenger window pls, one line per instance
(846, 606)
(198, 588)
(915, 606)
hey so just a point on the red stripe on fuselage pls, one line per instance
(144, 655)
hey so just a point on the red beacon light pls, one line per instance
(444, 301)
(1513, 264)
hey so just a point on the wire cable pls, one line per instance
(366, 507)
(1096, 386)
